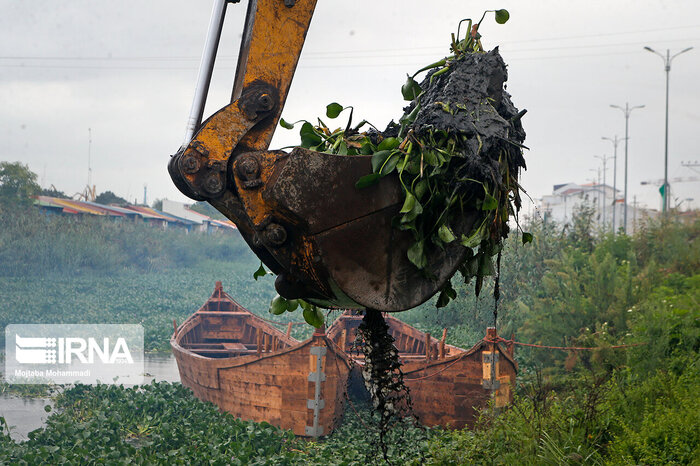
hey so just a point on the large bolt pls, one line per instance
(213, 184)
(275, 234)
(190, 164)
(266, 103)
(248, 168)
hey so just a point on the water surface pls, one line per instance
(24, 415)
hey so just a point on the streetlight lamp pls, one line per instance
(627, 110)
(667, 66)
(604, 159)
(614, 140)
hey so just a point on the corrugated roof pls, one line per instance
(225, 224)
(153, 213)
(72, 206)
(78, 206)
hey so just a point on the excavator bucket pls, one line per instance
(329, 242)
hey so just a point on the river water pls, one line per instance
(24, 415)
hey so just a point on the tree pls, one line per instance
(53, 192)
(17, 184)
(158, 204)
(108, 197)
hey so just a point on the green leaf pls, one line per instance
(502, 16)
(486, 266)
(286, 125)
(527, 237)
(490, 202)
(367, 148)
(390, 165)
(416, 255)
(446, 294)
(411, 89)
(389, 143)
(446, 234)
(408, 203)
(411, 117)
(278, 306)
(261, 272)
(342, 148)
(378, 159)
(470, 268)
(333, 110)
(474, 238)
(420, 189)
(292, 305)
(313, 316)
(309, 137)
(368, 180)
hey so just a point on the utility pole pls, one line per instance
(604, 159)
(626, 111)
(667, 66)
(614, 140)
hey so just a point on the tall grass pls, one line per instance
(33, 243)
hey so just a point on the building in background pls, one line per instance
(567, 198)
(173, 215)
(202, 222)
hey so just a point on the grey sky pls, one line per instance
(127, 70)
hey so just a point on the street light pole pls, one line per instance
(626, 111)
(667, 66)
(614, 141)
(604, 159)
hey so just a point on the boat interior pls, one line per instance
(413, 345)
(222, 328)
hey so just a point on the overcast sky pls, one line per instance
(127, 70)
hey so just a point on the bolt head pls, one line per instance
(275, 234)
(265, 101)
(248, 168)
(213, 184)
(190, 164)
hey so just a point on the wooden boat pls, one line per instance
(448, 384)
(247, 367)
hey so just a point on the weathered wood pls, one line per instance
(269, 382)
(234, 359)
(427, 346)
